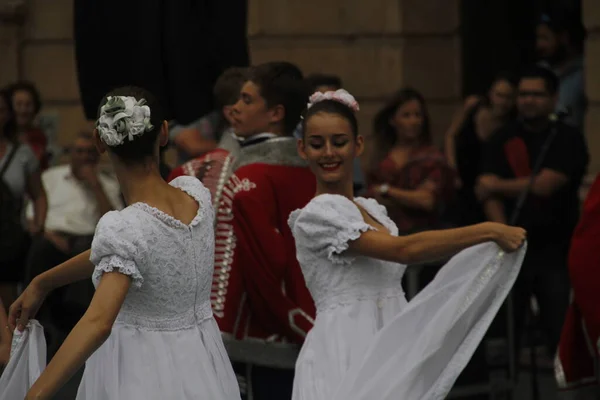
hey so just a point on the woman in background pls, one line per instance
(413, 180)
(471, 128)
(20, 177)
(27, 104)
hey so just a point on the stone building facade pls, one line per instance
(375, 46)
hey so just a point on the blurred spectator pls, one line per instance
(559, 42)
(27, 105)
(579, 352)
(195, 139)
(78, 195)
(411, 178)
(551, 211)
(212, 130)
(214, 168)
(20, 175)
(472, 127)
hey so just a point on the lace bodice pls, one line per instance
(333, 274)
(171, 263)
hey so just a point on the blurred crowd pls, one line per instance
(525, 134)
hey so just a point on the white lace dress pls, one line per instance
(367, 342)
(165, 343)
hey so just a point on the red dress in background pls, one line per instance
(37, 140)
(578, 357)
(426, 164)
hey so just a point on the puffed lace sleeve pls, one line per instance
(117, 247)
(326, 225)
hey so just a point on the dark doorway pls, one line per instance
(499, 35)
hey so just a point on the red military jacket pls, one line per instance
(578, 356)
(259, 297)
(212, 168)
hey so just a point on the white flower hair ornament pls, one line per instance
(123, 117)
(340, 95)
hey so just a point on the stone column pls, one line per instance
(48, 60)
(11, 19)
(375, 46)
(591, 16)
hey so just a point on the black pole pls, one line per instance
(513, 221)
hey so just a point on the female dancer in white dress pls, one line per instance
(367, 342)
(149, 332)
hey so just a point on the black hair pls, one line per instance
(226, 92)
(227, 88)
(316, 80)
(9, 130)
(502, 76)
(505, 76)
(141, 148)
(30, 88)
(332, 107)
(282, 83)
(381, 123)
(538, 72)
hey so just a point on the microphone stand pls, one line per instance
(554, 118)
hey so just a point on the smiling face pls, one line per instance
(330, 146)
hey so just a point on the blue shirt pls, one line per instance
(571, 92)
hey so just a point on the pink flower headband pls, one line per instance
(341, 96)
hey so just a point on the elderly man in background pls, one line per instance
(79, 193)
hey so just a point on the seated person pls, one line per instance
(78, 195)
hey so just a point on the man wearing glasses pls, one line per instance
(540, 155)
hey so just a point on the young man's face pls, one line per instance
(250, 115)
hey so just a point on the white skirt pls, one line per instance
(420, 352)
(27, 361)
(137, 364)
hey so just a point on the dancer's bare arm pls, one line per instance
(26, 306)
(89, 334)
(435, 245)
(74, 270)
